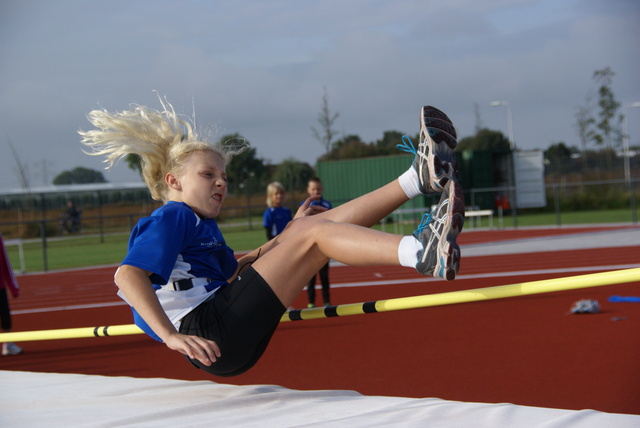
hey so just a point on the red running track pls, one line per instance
(526, 350)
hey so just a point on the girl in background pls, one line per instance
(277, 216)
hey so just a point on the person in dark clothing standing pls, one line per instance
(7, 281)
(315, 188)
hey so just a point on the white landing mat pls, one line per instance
(30, 399)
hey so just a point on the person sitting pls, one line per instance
(71, 218)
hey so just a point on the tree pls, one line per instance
(352, 147)
(485, 139)
(23, 171)
(326, 120)
(134, 162)
(609, 121)
(293, 174)
(584, 126)
(390, 139)
(558, 157)
(79, 175)
(246, 171)
(476, 113)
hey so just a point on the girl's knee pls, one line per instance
(310, 224)
(304, 229)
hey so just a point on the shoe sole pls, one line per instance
(437, 143)
(443, 261)
(448, 260)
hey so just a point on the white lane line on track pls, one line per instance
(68, 308)
(372, 283)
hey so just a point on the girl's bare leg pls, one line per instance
(433, 163)
(289, 260)
(307, 244)
(343, 233)
(370, 208)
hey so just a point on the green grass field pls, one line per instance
(82, 251)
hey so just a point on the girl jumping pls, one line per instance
(185, 286)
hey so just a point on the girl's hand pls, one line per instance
(306, 209)
(204, 350)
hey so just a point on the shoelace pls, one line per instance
(424, 222)
(407, 145)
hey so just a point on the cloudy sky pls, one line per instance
(260, 68)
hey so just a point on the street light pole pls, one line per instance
(511, 173)
(627, 137)
(512, 142)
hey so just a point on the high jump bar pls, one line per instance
(396, 304)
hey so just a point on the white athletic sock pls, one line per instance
(408, 251)
(410, 183)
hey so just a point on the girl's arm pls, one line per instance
(306, 209)
(136, 286)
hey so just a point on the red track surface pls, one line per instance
(525, 350)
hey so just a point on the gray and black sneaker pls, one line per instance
(434, 160)
(438, 231)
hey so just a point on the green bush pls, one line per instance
(603, 197)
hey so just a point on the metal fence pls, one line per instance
(568, 198)
(36, 219)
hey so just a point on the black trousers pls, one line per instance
(324, 279)
(5, 314)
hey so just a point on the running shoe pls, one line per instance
(11, 349)
(438, 231)
(434, 160)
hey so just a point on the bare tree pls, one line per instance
(584, 126)
(610, 122)
(23, 172)
(476, 112)
(326, 120)
(44, 171)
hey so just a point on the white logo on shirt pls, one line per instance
(210, 244)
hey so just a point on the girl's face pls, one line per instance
(277, 198)
(202, 184)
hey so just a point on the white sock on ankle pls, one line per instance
(410, 183)
(408, 251)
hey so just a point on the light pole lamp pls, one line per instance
(627, 137)
(512, 142)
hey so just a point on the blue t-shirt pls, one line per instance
(174, 244)
(276, 219)
(322, 202)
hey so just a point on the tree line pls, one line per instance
(598, 124)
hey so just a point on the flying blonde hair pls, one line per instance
(161, 139)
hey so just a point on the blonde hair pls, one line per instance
(272, 189)
(161, 139)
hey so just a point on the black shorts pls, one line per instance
(240, 318)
